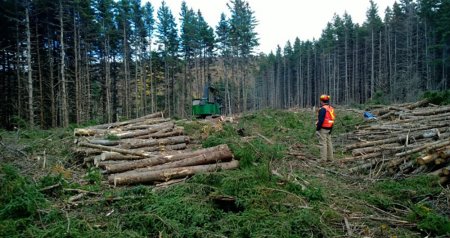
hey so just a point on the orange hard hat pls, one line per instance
(324, 97)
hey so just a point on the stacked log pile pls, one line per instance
(404, 139)
(148, 149)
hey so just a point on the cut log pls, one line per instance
(117, 124)
(137, 143)
(165, 175)
(121, 134)
(118, 156)
(366, 150)
(162, 134)
(150, 136)
(432, 112)
(399, 139)
(385, 110)
(180, 146)
(136, 133)
(427, 159)
(439, 161)
(92, 132)
(85, 152)
(437, 172)
(446, 171)
(103, 164)
(364, 166)
(362, 157)
(162, 159)
(146, 124)
(207, 158)
(113, 149)
(445, 153)
(429, 147)
(420, 169)
(418, 104)
(104, 142)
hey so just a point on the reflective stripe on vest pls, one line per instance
(328, 121)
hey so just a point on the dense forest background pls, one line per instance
(74, 61)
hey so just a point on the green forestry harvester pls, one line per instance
(208, 105)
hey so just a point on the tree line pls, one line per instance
(74, 61)
(393, 59)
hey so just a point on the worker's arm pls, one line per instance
(321, 118)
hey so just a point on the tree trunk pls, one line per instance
(209, 158)
(30, 69)
(139, 143)
(399, 139)
(164, 175)
(137, 120)
(64, 106)
(163, 159)
(113, 149)
(41, 83)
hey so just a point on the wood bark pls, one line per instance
(113, 149)
(427, 159)
(117, 156)
(213, 157)
(162, 159)
(429, 146)
(93, 132)
(65, 104)
(136, 133)
(161, 148)
(117, 124)
(165, 175)
(138, 143)
(146, 123)
(30, 71)
(399, 139)
(163, 133)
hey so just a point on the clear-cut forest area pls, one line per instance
(119, 119)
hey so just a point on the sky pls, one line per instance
(283, 20)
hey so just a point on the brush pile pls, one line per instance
(403, 139)
(148, 149)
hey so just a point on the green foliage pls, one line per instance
(311, 193)
(410, 192)
(256, 151)
(413, 188)
(112, 137)
(262, 205)
(378, 99)
(93, 176)
(429, 221)
(19, 122)
(438, 97)
(19, 198)
(386, 193)
(346, 121)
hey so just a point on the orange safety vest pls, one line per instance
(329, 117)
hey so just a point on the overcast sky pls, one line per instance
(283, 20)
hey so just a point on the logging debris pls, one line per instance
(405, 139)
(149, 149)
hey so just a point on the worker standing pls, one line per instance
(324, 126)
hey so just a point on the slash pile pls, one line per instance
(404, 139)
(148, 149)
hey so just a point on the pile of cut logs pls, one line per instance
(403, 139)
(149, 149)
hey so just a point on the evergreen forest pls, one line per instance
(76, 61)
